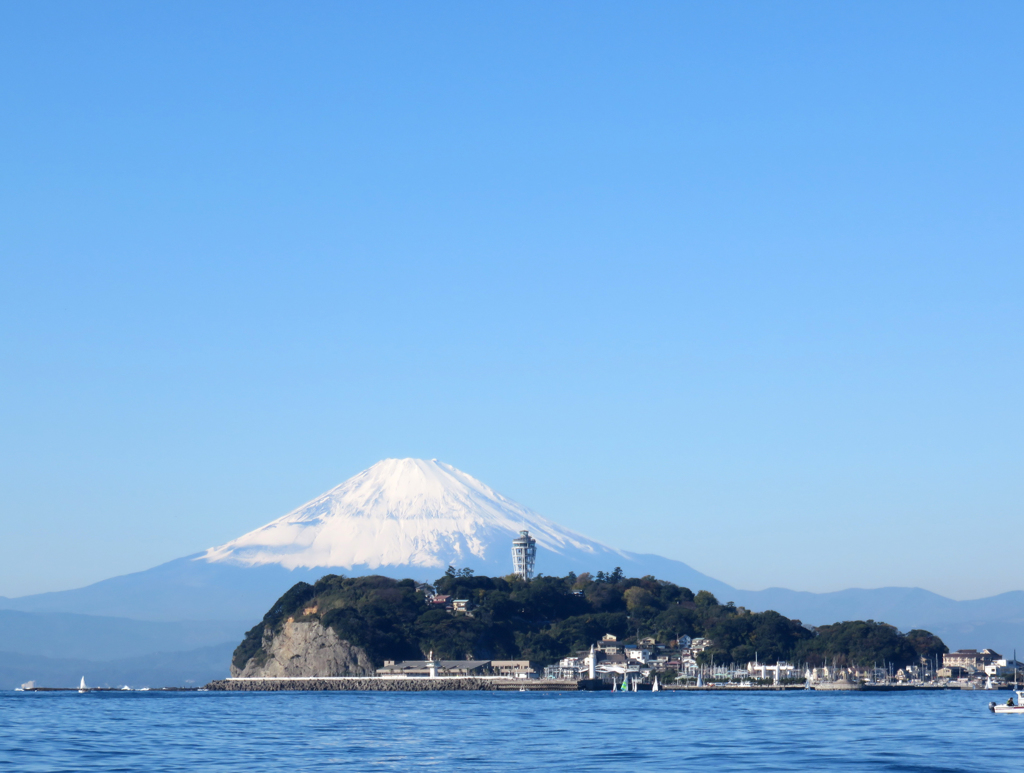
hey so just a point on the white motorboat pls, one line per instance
(1009, 707)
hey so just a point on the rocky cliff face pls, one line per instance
(305, 649)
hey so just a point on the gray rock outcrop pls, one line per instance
(305, 649)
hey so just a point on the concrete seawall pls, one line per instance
(355, 683)
(376, 684)
(384, 685)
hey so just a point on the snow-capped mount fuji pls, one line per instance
(403, 518)
(415, 514)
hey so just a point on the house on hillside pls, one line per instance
(440, 601)
(637, 654)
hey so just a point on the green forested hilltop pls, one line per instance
(544, 620)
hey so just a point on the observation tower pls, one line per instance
(524, 555)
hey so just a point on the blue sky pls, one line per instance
(735, 283)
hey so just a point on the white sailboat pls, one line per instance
(655, 686)
(81, 687)
(636, 685)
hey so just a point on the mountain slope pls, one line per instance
(401, 517)
(89, 637)
(407, 512)
(161, 669)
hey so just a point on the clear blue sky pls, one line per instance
(737, 283)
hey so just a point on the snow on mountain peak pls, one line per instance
(401, 512)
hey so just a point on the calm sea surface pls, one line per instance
(947, 731)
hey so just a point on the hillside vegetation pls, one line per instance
(543, 620)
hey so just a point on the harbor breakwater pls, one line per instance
(377, 684)
(386, 685)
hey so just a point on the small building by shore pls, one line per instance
(443, 668)
(511, 669)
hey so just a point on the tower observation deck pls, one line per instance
(524, 555)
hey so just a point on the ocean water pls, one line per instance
(462, 731)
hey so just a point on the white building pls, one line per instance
(776, 673)
(1004, 667)
(570, 668)
(638, 654)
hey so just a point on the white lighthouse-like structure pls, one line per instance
(524, 555)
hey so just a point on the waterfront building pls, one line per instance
(434, 668)
(515, 669)
(574, 668)
(1004, 667)
(972, 660)
(776, 673)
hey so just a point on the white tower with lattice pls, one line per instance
(524, 555)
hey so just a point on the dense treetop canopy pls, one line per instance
(544, 620)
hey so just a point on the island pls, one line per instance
(466, 629)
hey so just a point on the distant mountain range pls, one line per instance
(404, 518)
